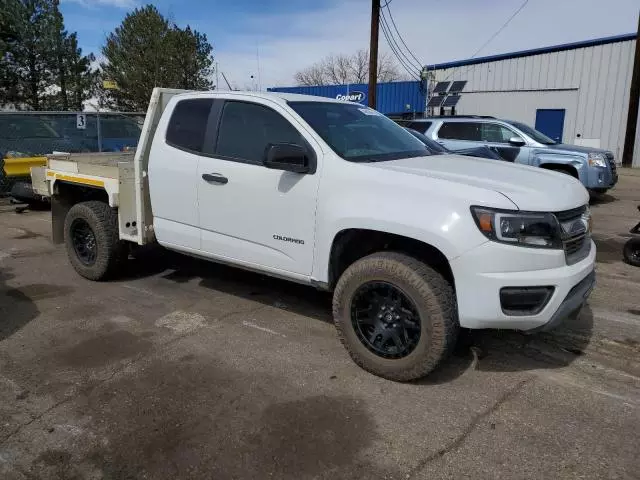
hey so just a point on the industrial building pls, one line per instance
(577, 92)
(393, 99)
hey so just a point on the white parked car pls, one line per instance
(335, 195)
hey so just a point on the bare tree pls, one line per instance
(313, 75)
(341, 69)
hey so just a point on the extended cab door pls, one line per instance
(173, 173)
(250, 213)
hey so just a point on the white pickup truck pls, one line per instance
(335, 195)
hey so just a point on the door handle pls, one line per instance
(215, 178)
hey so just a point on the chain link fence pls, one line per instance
(33, 134)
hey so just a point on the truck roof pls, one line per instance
(279, 97)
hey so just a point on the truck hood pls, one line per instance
(563, 147)
(529, 188)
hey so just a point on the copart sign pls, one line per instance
(351, 97)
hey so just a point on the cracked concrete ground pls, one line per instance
(185, 369)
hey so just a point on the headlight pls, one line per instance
(518, 228)
(596, 160)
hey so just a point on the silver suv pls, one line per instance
(519, 143)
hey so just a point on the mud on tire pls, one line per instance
(108, 252)
(434, 301)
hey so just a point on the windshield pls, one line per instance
(535, 134)
(359, 134)
(432, 145)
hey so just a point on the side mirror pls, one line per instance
(517, 142)
(288, 157)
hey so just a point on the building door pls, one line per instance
(551, 123)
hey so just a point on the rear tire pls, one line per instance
(92, 240)
(631, 252)
(425, 292)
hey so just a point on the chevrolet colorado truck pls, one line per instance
(334, 195)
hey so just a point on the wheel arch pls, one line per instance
(352, 244)
(561, 167)
(66, 195)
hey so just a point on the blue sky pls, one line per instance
(289, 35)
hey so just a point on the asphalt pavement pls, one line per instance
(185, 369)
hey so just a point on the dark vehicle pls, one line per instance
(22, 135)
(117, 132)
(631, 250)
(435, 148)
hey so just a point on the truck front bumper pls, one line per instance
(482, 273)
(573, 303)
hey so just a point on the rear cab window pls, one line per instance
(188, 125)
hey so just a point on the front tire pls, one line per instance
(92, 241)
(395, 315)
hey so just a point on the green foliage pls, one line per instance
(146, 51)
(41, 66)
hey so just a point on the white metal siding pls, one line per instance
(590, 83)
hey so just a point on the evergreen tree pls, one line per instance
(145, 51)
(41, 66)
(27, 60)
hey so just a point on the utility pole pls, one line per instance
(373, 52)
(634, 104)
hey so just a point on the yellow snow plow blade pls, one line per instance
(21, 166)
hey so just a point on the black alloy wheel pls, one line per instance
(385, 319)
(84, 241)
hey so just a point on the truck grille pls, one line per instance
(612, 162)
(576, 239)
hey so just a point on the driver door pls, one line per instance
(248, 213)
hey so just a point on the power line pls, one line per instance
(419, 63)
(497, 32)
(395, 48)
(501, 28)
(395, 43)
(409, 69)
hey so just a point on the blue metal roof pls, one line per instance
(535, 51)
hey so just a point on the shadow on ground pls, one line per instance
(493, 350)
(609, 249)
(602, 199)
(256, 287)
(512, 351)
(17, 308)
